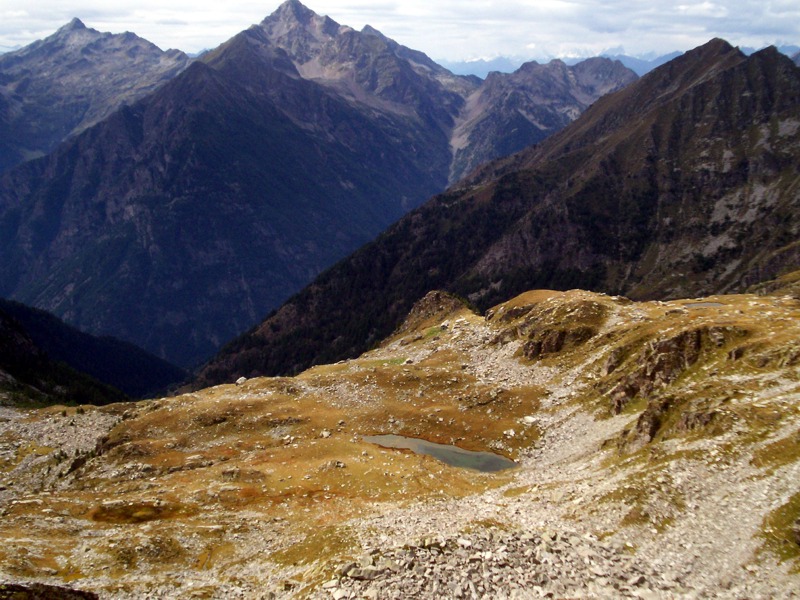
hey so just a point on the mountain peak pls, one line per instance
(370, 30)
(292, 17)
(293, 10)
(713, 48)
(74, 25)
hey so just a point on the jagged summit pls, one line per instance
(74, 25)
(294, 10)
(294, 20)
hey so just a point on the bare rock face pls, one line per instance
(662, 361)
(510, 112)
(59, 86)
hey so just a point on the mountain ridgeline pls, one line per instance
(59, 86)
(683, 183)
(115, 363)
(187, 215)
(29, 377)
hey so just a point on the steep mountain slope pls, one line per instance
(207, 203)
(640, 432)
(510, 112)
(119, 364)
(29, 377)
(183, 218)
(59, 86)
(683, 183)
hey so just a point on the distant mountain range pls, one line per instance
(683, 183)
(59, 86)
(502, 64)
(182, 218)
(639, 64)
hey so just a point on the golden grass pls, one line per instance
(288, 453)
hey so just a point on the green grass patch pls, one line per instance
(432, 332)
(780, 533)
(778, 454)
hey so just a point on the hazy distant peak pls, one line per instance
(370, 30)
(294, 10)
(292, 17)
(74, 25)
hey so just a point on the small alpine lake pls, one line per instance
(486, 462)
(703, 304)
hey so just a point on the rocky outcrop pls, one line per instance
(435, 307)
(662, 361)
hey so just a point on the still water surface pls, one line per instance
(486, 462)
(703, 304)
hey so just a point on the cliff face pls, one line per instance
(681, 184)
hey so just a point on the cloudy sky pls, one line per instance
(445, 29)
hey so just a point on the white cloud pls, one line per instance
(443, 29)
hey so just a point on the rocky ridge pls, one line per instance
(681, 184)
(265, 488)
(510, 112)
(475, 120)
(59, 86)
